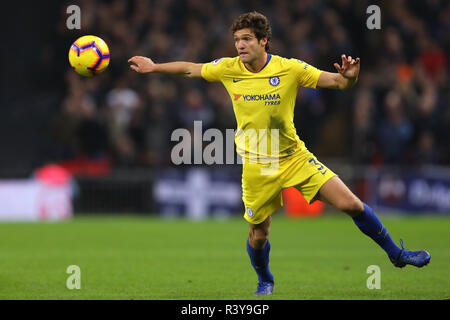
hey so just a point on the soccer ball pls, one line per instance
(89, 55)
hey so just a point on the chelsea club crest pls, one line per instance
(274, 81)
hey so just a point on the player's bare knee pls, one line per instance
(258, 238)
(259, 242)
(351, 206)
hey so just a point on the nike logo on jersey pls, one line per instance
(237, 80)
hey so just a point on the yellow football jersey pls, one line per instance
(263, 103)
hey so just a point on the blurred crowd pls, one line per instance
(397, 113)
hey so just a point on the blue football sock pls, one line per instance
(369, 224)
(260, 261)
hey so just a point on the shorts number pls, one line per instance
(318, 165)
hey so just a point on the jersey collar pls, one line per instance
(269, 56)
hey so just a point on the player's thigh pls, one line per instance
(336, 193)
(261, 194)
(308, 176)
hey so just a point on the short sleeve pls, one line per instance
(213, 71)
(306, 75)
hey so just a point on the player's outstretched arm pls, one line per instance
(346, 77)
(180, 68)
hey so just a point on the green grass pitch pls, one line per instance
(135, 257)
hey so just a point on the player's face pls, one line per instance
(248, 46)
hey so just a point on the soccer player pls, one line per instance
(263, 88)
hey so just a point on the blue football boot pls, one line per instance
(264, 288)
(415, 258)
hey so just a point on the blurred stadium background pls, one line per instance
(388, 137)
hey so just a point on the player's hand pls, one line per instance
(349, 68)
(141, 64)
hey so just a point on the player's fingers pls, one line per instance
(134, 67)
(349, 59)
(357, 60)
(345, 61)
(338, 67)
(136, 59)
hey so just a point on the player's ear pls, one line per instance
(263, 42)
